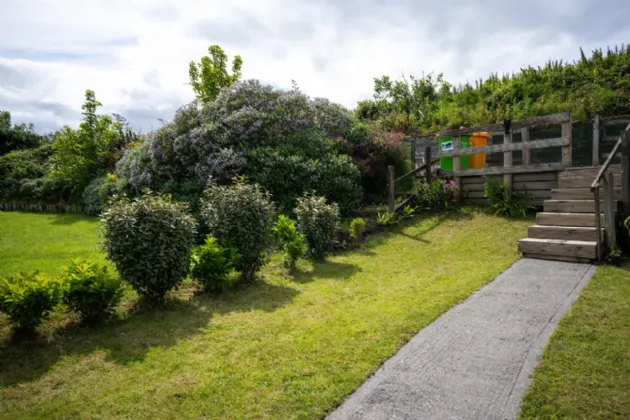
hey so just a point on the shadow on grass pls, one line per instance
(129, 340)
(436, 219)
(326, 270)
(70, 218)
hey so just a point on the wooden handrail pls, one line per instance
(508, 147)
(606, 164)
(415, 171)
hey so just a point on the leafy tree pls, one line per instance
(210, 75)
(80, 155)
(18, 136)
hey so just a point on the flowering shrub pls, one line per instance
(317, 221)
(279, 139)
(439, 195)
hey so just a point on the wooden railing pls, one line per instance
(392, 180)
(622, 146)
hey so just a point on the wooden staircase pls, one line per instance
(566, 229)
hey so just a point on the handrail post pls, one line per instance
(625, 172)
(428, 159)
(598, 224)
(609, 211)
(391, 183)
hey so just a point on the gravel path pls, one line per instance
(475, 360)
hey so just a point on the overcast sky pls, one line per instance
(134, 53)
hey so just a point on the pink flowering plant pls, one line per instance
(441, 194)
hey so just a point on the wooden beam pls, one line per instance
(625, 173)
(527, 159)
(509, 147)
(456, 165)
(507, 160)
(418, 169)
(516, 125)
(538, 167)
(609, 211)
(567, 129)
(616, 121)
(596, 156)
(391, 175)
(427, 154)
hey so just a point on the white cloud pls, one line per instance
(135, 53)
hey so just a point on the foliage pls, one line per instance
(386, 218)
(149, 240)
(98, 193)
(293, 242)
(596, 84)
(408, 211)
(278, 139)
(28, 167)
(373, 149)
(80, 155)
(626, 223)
(317, 221)
(91, 290)
(211, 265)
(505, 202)
(241, 216)
(28, 298)
(210, 75)
(17, 136)
(357, 227)
(439, 195)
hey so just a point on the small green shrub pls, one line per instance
(317, 221)
(91, 290)
(98, 193)
(408, 212)
(357, 227)
(242, 216)
(293, 242)
(386, 219)
(505, 202)
(149, 239)
(211, 265)
(28, 299)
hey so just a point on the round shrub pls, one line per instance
(317, 221)
(211, 265)
(241, 216)
(293, 242)
(149, 239)
(91, 290)
(357, 227)
(28, 299)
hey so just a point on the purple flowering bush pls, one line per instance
(441, 194)
(279, 139)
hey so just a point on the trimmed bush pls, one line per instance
(211, 265)
(98, 192)
(91, 290)
(28, 299)
(293, 242)
(317, 221)
(357, 227)
(241, 216)
(149, 239)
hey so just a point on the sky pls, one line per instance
(135, 53)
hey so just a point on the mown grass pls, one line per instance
(585, 370)
(45, 242)
(293, 345)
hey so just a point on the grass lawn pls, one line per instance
(45, 242)
(290, 346)
(585, 370)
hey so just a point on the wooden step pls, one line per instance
(579, 193)
(557, 258)
(558, 247)
(570, 233)
(573, 206)
(567, 219)
(583, 182)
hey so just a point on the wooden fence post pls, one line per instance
(428, 159)
(567, 129)
(527, 157)
(625, 172)
(609, 211)
(596, 140)
(507, 160)
(391, 183)
(457, 165)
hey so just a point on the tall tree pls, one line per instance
(210, 75)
